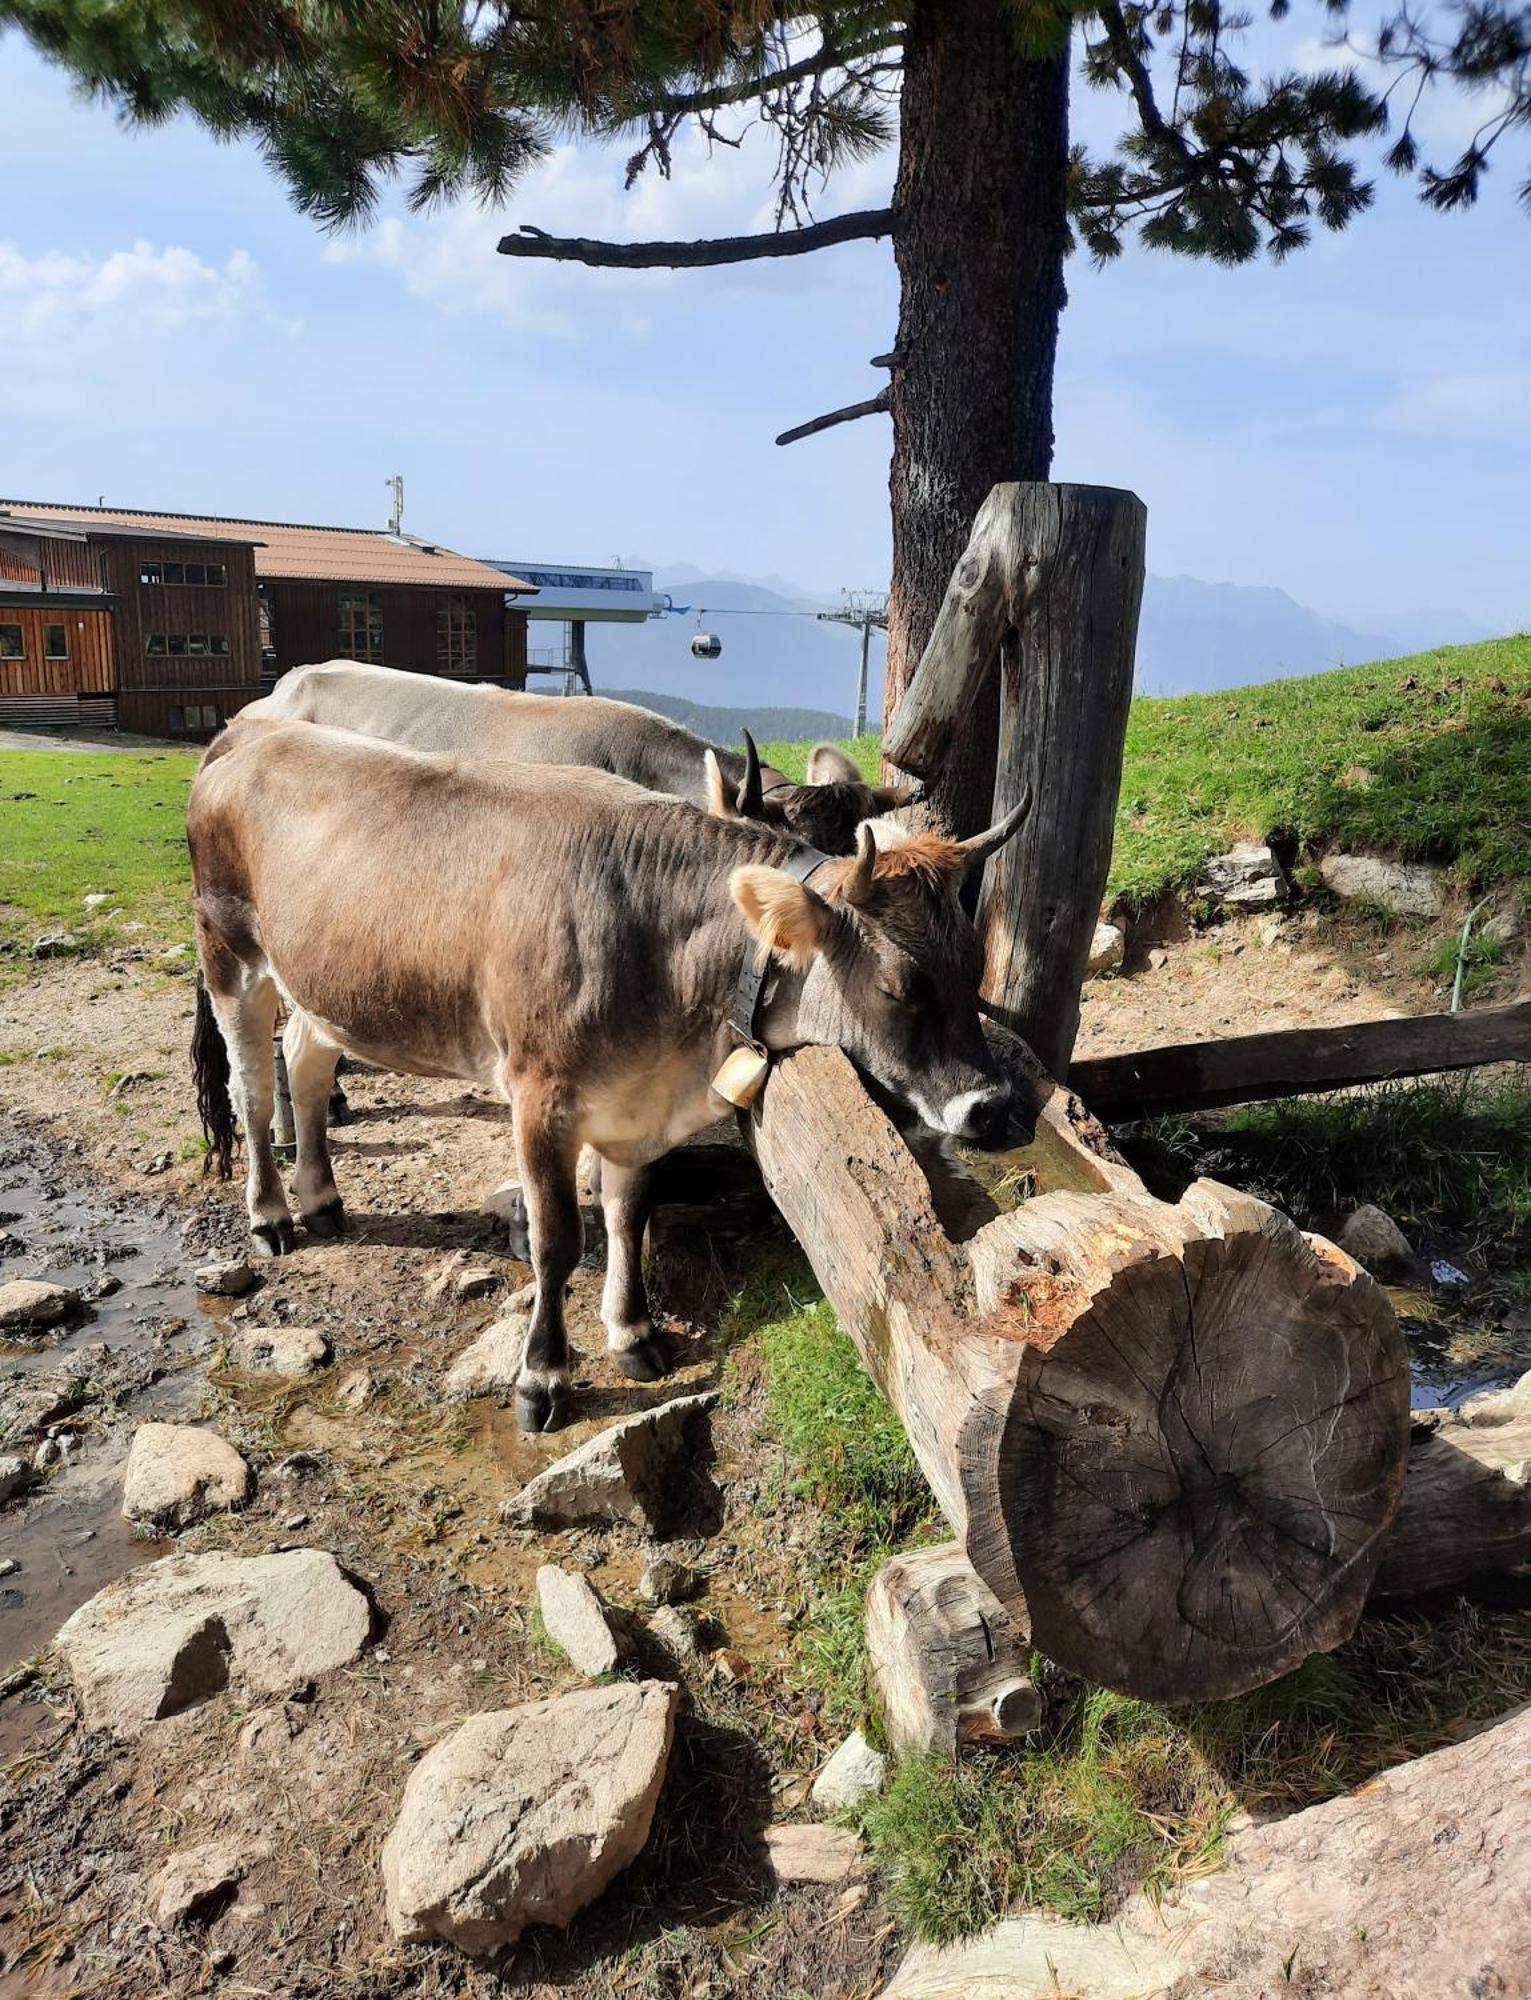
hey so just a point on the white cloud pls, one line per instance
(1472, 403)
(57, 297)
(451, 258)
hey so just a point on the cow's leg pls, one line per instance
(244, 1001)
(641, 1353)
(548, 1155)
(311, 1060)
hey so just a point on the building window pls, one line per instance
(186, 646)
(456, 636)
(11, 647)
(55, 642)
(203, 575)
(361, 625)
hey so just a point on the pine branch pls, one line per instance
(717, 97)
(874, 406)
(859, 226)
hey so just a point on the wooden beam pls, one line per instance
(1292, 1062)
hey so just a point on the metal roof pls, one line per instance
(286, 549)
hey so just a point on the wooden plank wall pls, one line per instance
(305, 627)
(88, 668)
(64, 565)
(151, 686)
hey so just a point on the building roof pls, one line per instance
(287, 549)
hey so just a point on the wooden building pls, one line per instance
(167, 624)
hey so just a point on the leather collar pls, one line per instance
(742, 1016)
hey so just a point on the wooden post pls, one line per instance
(1051, 583)
(1170, 1439)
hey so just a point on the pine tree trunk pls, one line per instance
(981, 201)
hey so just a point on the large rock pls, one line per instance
(856, 1772)
(635, 1471)
(1373, 1238)
(16, 1475)
(177, 1473)
(1247, 877)
(1406, 888)
(279, 1350)
(170, 1634)
(27, 1305)
(574, 1619)
(524, 1815)
(490, 1366)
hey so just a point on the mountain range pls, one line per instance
(1193, 637)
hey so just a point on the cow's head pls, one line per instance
(876, 956)
(825, 811)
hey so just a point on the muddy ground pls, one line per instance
(100, 1179)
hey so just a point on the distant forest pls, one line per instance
(722, 725)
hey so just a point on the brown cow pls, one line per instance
(472, 720)
(571, 943)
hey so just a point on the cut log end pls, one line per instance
(1206, 1457)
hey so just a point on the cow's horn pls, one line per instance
(979, 846)
(750, 791)
(858, 877)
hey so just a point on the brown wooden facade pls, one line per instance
(188, 655)
(66, 645)
(419, 629)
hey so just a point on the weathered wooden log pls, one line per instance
(1411, 1888)
(1292, 1062)
(1466, 1506)
(1175, 1434)
(1050, 585)
(946, 1662)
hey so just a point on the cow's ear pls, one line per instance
(828, 764)
(719, 803)
(785, 915)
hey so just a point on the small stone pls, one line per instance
(824, 1854)
(730, 1666)
(1158, 958)
(855, 1772)
(16, 1476)
(633, 1471)
(1247, 877)
(491, 1365)
(9, 1566)
(160, 1164)
(55, 944)
(270, 1730)
(195, 1884)
(104, 1287)
(356, 1390)
(574, 1618)
(295, 1521)
(47, 1454)
(228, 1280)
(95, 899)
(666, 1581)
(279, 1350)
(1376, 1242)
(474, 1282)
(179, 1473)
(27, 1305)
(678, 1632)
(1107, 949)
(524, 1815)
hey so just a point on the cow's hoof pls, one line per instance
(647, 1361)
(542, 1406)
(273, 1239)
(328, 1222)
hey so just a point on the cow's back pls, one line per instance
(465, 719)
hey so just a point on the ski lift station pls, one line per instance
(573, 595)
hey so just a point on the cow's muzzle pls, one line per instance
(979, 1116)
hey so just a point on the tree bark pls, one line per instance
(1466, 1504)
(1171, 1439)
(980, 207)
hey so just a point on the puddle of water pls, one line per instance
(69, 1538)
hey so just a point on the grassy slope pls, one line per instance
(1440, 770)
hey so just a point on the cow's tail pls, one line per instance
(210, 1067)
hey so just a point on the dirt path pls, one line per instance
(97, 1133)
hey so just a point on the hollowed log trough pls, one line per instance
(1171, 1438)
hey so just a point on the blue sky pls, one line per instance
(1354, 428)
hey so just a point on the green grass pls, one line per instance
(791, 759)
(110, 821)
(1438, 771)
(1455, 1150)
